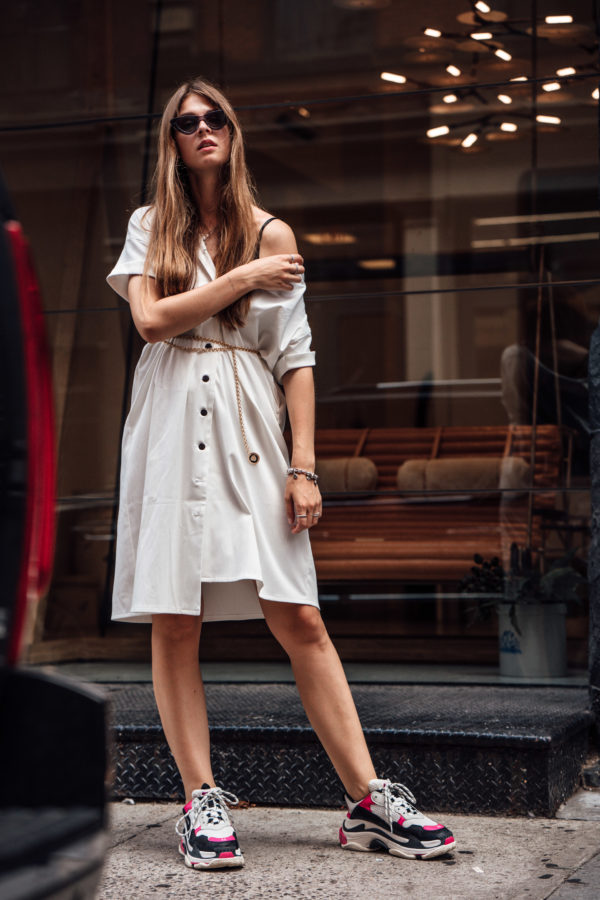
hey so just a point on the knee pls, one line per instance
(304, 628)
(176, 628)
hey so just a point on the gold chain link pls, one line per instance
(223, 348)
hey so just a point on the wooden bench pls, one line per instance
(383, 534)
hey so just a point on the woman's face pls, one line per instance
(203, 150)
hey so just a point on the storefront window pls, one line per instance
(438, 165)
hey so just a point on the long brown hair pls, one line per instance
(173, 247)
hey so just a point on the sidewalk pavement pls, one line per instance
(294, 853)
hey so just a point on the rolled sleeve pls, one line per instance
(285, 334)
(296, 354)
(133, 255)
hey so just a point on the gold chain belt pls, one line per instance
(222, 347)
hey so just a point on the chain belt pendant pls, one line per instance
(223, 347)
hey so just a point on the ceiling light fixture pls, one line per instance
(450, 98)
(551, 86)
(508, 126)
(548, 120)
(596, 93)
(469, 140)
(391, 76)
(438, 132)
(568, 70)
(377, 263)
(481, 36)
(453, 70)
(329, 237)
(503, 54)
(432, 32)
(483, 7)
(558, 20)
(519, 78)
(504, 98)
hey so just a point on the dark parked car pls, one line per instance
(53, 749)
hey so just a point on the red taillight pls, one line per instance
(38, 545)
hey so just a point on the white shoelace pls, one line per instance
(397, 799)
(208, 807)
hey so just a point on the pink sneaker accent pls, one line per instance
(187, 807)
(230, 838)
(401, 820)
(449, 840)
(343, 838)
(367, 802)
(431, 827)
(225, 853)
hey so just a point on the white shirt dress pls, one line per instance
(202, 530)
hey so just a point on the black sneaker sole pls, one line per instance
(216, 862)
(374, 841)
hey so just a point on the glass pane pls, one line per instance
(74, 200)
(69, 60)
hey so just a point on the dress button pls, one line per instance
(208, 346)
(205, 378)
(201, 446)
(203, 412)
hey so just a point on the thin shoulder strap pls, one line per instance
(262, 228)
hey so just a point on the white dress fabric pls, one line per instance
(200, 529)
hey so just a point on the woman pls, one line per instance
(213, 521)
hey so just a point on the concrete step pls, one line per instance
(479, 749)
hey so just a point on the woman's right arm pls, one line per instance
(158, 318)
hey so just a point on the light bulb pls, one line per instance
(482, 7)
(453, 70)
(548, 120)
(391, 76)
(432, 32)
(519, 78)
(438, 132)
(558, 20)
(469, 140)
(503, 54)
(551, 86)
(568, 70)
(508, 126)
(450, 98)
(596, 93)
(504, 98)
(482, 36)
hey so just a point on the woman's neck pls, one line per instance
(205, 194)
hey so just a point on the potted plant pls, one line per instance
(531, 605)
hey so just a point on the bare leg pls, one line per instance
(324, 691)
(180, 697)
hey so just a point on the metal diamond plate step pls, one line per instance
(480, 749)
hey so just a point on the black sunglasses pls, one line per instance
(188, 124)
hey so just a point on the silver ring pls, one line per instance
(302, 516)
(291, 259)
(316, 515)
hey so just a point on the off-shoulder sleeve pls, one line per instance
(133, 255)
(285, 334)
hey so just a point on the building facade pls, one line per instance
(439, 166)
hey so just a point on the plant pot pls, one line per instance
(540, 651)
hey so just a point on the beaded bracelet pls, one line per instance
(310, 476)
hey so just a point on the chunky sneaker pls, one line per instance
(385, 820)
(208, 839)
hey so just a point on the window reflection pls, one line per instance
(439, 168)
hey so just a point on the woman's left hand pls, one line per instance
(303, 503)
